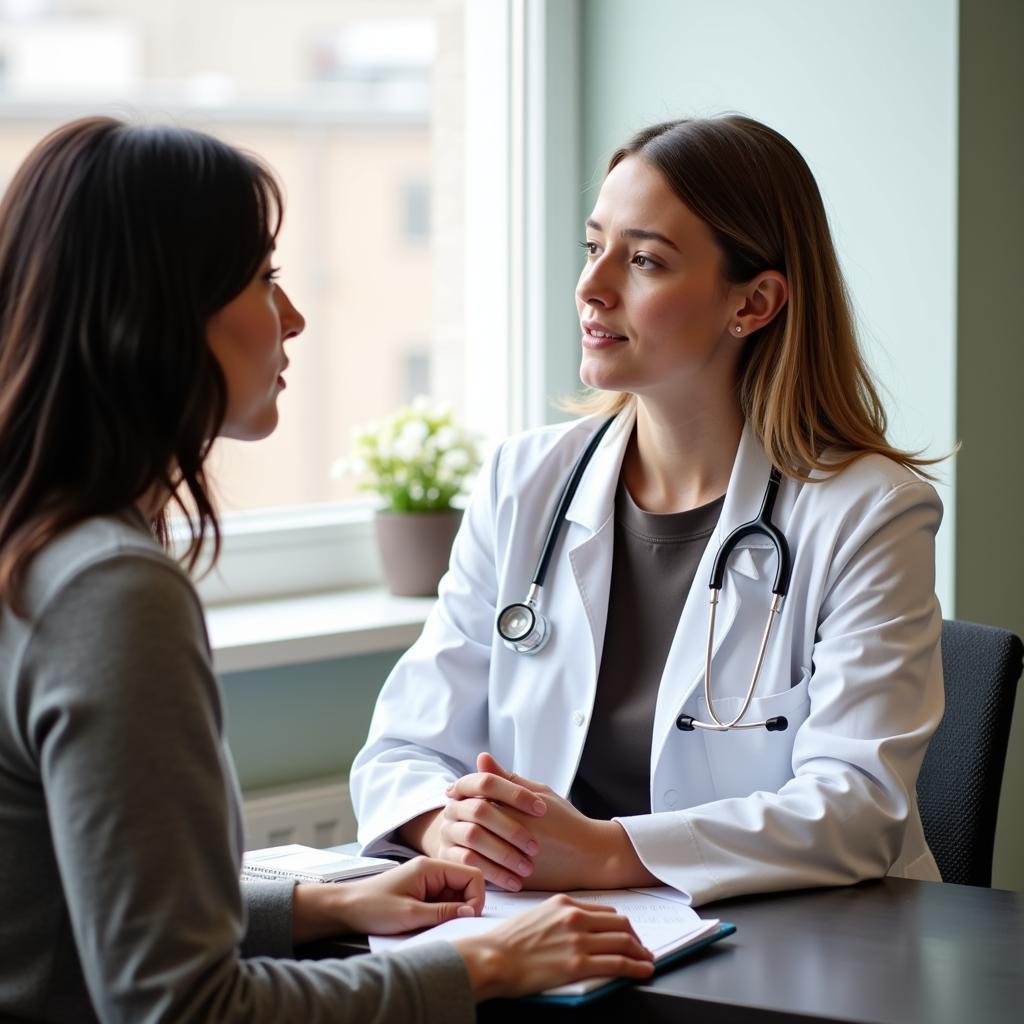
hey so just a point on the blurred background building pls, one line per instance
(338, 96)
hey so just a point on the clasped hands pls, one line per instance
(520, 833)
(506, 829)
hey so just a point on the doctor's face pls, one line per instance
(654, 306)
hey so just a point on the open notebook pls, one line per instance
(661, 916)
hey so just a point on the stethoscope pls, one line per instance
(526, 630)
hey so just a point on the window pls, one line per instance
(416, 370)
(338, 97)
(416, 210)
(393, 127)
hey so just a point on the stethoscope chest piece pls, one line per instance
(522, 625)
(523, 628)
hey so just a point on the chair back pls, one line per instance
(958, 788)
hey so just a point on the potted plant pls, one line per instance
(419, 461)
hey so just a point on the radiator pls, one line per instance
(317, 813)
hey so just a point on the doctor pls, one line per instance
(716, 332)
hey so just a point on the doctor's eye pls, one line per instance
(644, 262)
(590, 247)
(271, 274)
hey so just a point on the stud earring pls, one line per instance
(739, 330)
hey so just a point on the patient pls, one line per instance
(139, 319)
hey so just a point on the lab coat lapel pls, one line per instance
(684, 667)
(592, 535)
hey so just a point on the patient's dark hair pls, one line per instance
(117, 244)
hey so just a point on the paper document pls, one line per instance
(661, 921)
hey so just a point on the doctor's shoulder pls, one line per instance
(872, 488)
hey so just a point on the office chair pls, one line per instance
(958, 788)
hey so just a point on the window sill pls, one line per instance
(313, 627)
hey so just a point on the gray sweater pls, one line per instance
(120, 834)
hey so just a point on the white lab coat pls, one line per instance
(853, 664)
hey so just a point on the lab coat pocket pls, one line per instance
(745, 761)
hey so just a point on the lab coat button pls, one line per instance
(671, 796)
(578, 718)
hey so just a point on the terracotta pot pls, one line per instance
(415, 548)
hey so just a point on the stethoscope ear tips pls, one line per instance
(686, 723)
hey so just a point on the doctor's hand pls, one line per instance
(575, 852)
(488, 823)
(418, 894)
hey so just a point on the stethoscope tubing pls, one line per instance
(564, 501)
(536, 631)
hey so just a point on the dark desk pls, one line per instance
(885, 952)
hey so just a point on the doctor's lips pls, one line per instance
(599, 335)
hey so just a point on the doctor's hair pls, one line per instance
(803, 383)
(118, 242)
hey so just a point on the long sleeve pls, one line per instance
(268, 915)
(119, 708)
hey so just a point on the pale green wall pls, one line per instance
(990, 468)
(302, 722)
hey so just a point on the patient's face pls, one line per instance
(247, 338)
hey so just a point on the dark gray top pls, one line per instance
(653, 565)
(120, 831)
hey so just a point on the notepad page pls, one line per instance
(663, 924)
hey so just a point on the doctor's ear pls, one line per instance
(763, 299)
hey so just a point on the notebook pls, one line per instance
(306, 864)
(662, 918)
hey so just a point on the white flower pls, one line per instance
(447, 437)
(416, 429)
(409, 443)
(455, 460)
(418, 455)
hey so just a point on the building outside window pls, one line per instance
(357, 107)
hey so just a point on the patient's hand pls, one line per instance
(418, 894)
